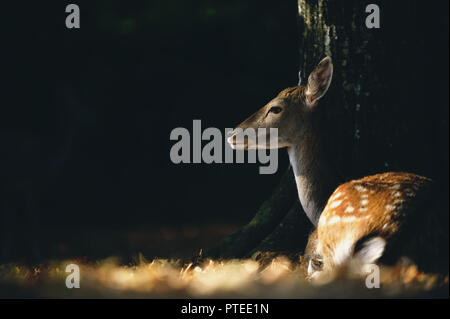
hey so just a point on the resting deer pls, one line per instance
(363, 220)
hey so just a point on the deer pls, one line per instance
(381, 217)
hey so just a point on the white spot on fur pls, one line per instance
(348, 219)
(333, 220)
(337, 195)
(360, 188)
(349, 209)
(396, 186)
(335, 204)
(397, 194)
(364, 202)
(365, 196)
(363, 209)
(389, 208)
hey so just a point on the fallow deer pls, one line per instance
(381, 215)
(384, 216)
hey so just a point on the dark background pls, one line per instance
(88, 112)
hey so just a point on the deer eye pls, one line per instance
(316, 264)
(275, 109)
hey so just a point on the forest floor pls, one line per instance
(162, 278)
(173, 275)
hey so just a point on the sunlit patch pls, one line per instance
(162, 278)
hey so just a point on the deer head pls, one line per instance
(289, 113)
(296, 115)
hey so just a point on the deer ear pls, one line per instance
(319, 81)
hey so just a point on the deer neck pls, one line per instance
(315, 178)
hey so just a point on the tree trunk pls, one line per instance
(389, 107)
